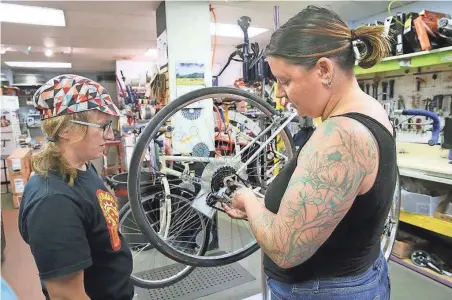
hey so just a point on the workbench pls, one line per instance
(429, 163)
(424, 162)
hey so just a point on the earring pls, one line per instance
(330, 83)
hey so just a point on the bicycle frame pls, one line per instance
(200, 202)
(167, 171)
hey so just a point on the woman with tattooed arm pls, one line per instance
(322, 217)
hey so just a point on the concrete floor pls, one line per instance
(405, 283)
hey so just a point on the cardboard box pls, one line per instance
(403, 249)
(443, 217)
(17, 198)
(19, 162)
(18, 182)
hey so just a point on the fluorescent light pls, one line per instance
(34, 15)
(37, 65)
(230, 30)
(48, 52)
(151, 52)
(31, 79)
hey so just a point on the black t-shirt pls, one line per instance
(74, 228)
(354, 245)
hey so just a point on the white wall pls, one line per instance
(438, 6)
(189, 39)
(232, 72)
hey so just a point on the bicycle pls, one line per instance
(209, 181)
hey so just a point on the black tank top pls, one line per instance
(355, 243)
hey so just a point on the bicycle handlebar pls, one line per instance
(436, 122)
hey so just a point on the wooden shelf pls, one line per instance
(428, 223)
(412, 60)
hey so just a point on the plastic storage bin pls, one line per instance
(420, 203)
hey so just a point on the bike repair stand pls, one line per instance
(265, 290)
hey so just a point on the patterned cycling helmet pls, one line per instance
(66, 94)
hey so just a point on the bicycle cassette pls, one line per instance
(214, 174)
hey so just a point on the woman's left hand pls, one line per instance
(241, 196)
(234, 212)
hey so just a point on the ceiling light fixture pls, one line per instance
(33, 64)
(35, 15)
(48, 52)
(230, 30)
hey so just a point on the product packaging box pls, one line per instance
(18, 183)
(19, 169)
(19, 162)
(403, 249)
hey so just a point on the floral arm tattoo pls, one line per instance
(329, 173)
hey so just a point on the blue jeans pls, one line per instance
(371, 285)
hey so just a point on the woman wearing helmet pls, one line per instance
(67, 215)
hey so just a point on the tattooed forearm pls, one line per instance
(261, 222)
(328, 177)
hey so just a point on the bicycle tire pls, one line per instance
(133, 179)
(138, 282)
(397, 199)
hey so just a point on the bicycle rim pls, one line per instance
(149, 135)
(392, 222)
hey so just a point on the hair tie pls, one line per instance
(50, 139)
(353, 35)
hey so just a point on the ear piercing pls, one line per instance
(330, 83)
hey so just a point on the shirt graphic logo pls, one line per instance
(109, 208)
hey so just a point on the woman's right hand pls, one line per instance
(234, 212)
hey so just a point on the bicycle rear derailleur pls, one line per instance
(224, 194)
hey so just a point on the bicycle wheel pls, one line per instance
(143, 251)
(392, 222)
(251, 146)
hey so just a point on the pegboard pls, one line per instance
(412, 88)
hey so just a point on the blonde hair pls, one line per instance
(50, 158)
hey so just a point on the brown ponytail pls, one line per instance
(376, 45)
(50, 158)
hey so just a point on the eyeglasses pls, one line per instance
(105, 128)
